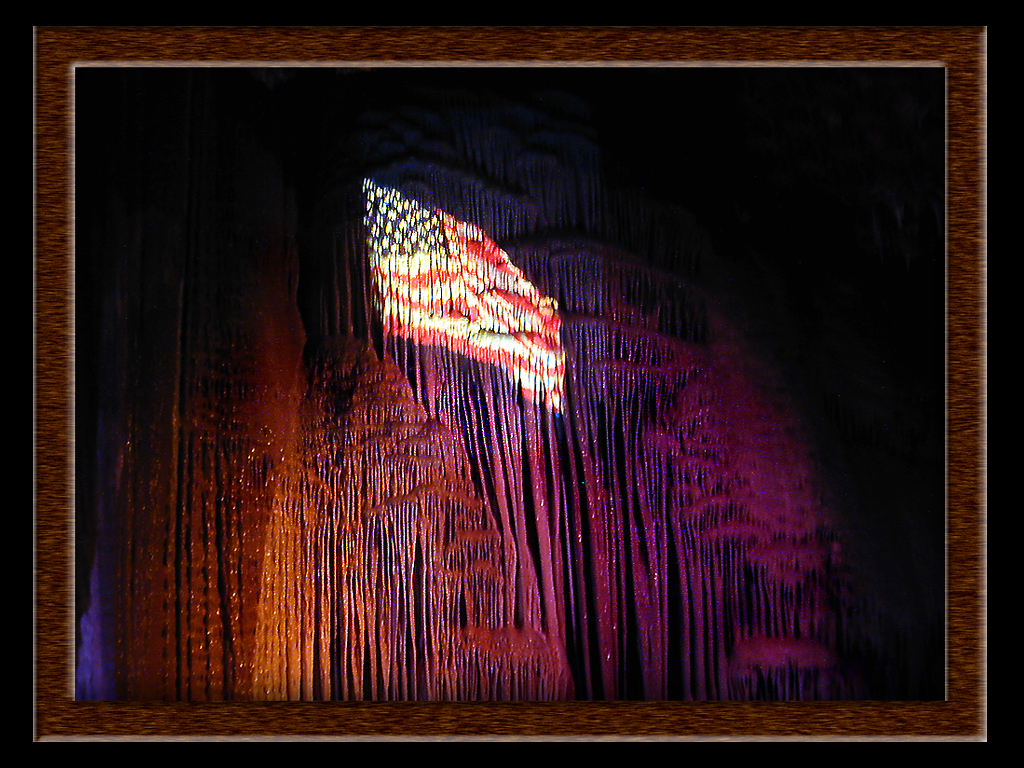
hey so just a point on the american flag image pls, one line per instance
(443, 281)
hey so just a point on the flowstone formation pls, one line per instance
(451, 420)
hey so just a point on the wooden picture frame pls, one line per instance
(962, 50)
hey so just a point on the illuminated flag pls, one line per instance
(443, 281)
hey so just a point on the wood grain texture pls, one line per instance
(962, 50)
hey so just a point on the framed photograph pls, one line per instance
(509, 383)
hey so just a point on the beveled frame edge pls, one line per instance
(57, 50)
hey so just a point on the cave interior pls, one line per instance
(509, 383)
